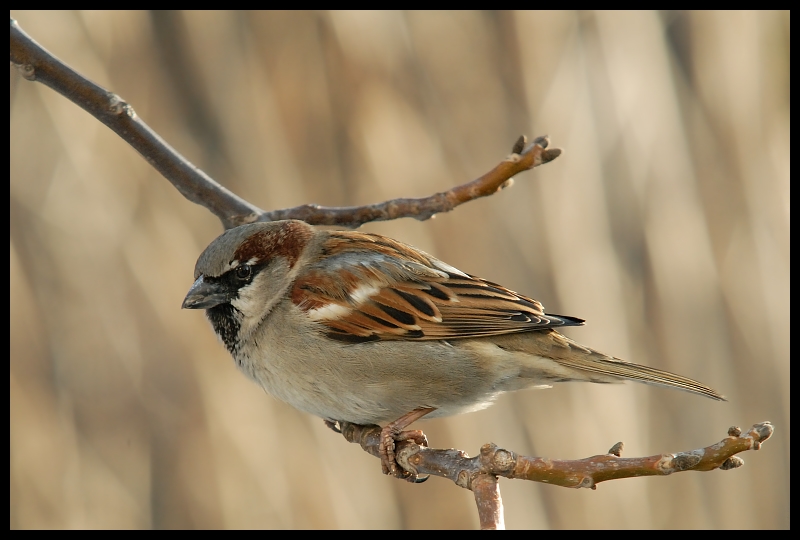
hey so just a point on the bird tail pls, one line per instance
(600, 364)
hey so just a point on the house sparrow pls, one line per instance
(357, 327)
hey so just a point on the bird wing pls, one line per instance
(368, 287)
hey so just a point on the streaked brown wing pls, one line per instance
(374, 288)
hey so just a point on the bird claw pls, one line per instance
(334, 425)
(389, 463)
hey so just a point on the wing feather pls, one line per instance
(368, 287)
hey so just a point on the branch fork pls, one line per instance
(480, 474)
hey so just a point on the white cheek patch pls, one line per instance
(245, 303)
(251, 301)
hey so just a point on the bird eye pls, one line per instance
(243, 271)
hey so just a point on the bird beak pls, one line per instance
(205, 295)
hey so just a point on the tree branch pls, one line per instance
(522, 158)
(37, 64)
(480, 473)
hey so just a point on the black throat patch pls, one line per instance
(226, 321)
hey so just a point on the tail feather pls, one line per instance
(595, 362)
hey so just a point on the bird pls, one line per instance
(358, 327)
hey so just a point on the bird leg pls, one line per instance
(392, 433)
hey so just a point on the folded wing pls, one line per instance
(372, 288)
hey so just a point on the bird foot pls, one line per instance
(393, 433)
(333, 425)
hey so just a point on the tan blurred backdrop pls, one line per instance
(665, 225)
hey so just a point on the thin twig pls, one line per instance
(522, 158)
(472, 473)
(36, 64)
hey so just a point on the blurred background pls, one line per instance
(665, 224)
